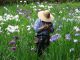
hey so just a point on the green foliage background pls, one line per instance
(2, 2)
(59, 50)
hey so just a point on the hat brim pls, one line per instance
(43, 18)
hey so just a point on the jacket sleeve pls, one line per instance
(36, 25)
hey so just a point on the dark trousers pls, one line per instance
(42, 43)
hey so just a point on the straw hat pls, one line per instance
(45, 16)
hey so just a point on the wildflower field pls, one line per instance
(17, 34)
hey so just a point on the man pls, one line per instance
(43, 27)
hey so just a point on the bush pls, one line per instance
(2, 2)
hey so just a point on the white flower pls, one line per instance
(17, 5)
(5, 14)
(0, 30)
(5, 8)
(34, 6)
(77, 34)
(71, 50)
(38, 3)
(16, 17)
(24, 1)
(12, 29)
(41, 5)
(1, 18)
(8, 33)
(76, 10)
(7, 17)
(35, 9)
(50, 7)
(64, 18)
(76, 28)
(28, 27)
(75, 41)
(39, 9)
(78, 17)
(70, 14)
(60, 12)
(33, 49)
(10, 17)
(1, 23)
(68, 36)
(21, 1)
(21, 12)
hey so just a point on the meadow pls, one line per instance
(17, 35)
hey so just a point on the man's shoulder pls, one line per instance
(38, 20)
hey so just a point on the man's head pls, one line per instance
(45, 16)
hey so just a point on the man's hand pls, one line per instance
(44, 27)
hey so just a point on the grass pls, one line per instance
(61, 49)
